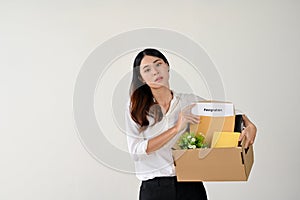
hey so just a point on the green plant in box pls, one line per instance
(191, 141)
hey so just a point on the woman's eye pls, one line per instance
(158, 64)
(147, 70)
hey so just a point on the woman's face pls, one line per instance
(154, 72)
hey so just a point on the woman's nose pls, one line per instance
(154, 70)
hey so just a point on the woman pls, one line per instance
(155, 119)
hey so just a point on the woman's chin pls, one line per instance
(157, 85)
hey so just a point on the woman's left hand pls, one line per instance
(249, 132)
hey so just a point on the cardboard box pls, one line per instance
(213, 164)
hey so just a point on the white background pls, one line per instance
(255, 46)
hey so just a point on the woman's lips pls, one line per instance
(158, 79)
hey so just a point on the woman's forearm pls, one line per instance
(160, 140)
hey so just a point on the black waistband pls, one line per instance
(161, 181)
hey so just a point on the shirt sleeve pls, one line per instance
(137, 143)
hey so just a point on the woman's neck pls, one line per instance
(163, 97)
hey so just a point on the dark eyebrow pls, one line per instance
(155, 61)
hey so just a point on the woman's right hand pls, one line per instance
(185, 117)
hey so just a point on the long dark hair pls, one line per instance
(142, 103)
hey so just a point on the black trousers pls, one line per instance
(168, 188)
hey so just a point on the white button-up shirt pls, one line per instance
(160, 162)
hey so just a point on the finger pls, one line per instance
(247, 143)
(191, 121)
(192, 118)
(242, 135)
(191, 115)
(194, 121)
(253, 137)
(155, 84)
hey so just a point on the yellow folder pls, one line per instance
(225, 139)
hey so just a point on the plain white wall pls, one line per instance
(255, 46)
